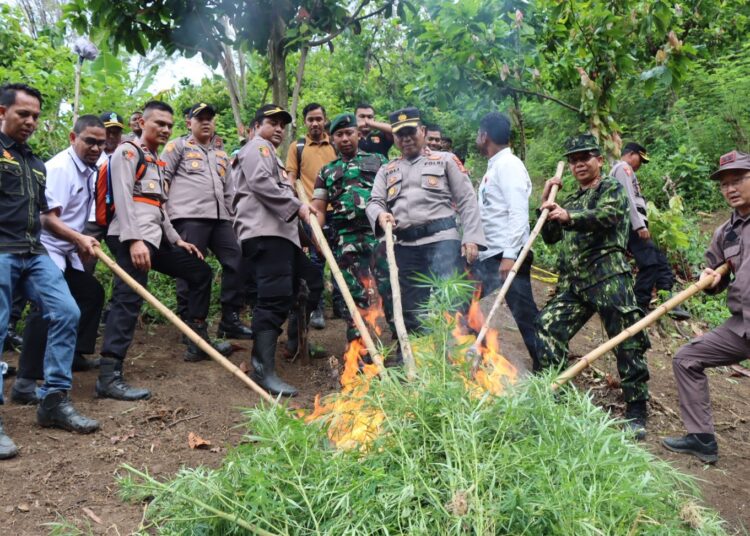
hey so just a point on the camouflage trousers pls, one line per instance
(359, 267)
(614, 301)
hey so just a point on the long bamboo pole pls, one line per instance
(182, 326)
(583, 363)
(398, 313)
(343, 287)
(475, 348)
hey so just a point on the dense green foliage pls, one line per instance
(444, 463)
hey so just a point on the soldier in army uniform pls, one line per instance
(196, 170)
(421, 194)
(345, 184)
(266, 211)
(592, 225)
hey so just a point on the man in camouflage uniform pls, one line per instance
(592, 224)
(345, 184)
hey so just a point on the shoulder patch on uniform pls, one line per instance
(7, 155)
(459, 164)
(391, 166)
(170, 147)
(628, 170)
(434, 157)
(222, 154)
(128, 153)
(264, 152)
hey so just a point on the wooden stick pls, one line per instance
(475, 349)
(573, 371)
(182, 326)
(339, 277)
(398, 314)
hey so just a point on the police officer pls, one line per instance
(25, 266)
(141, 237)
(653, 268)
(728, 343)
(345, 184)
(592, 226)
(266, 211)
(417, 194)
(196, 171)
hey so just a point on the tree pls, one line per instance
(274, 28)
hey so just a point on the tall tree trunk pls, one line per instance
(243, 76)
(230, 75)
(297, 87)
(277, 60)
(521, 149)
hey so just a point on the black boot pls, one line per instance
(636, 415)
(679, 313)
(194, 353)
(8, 449)
(82, 364)
(231, 327)
(292, 336)
(111, 384)
(264, 365)
(701, 445)
(56, 411)
(13, 341)
(24, 398)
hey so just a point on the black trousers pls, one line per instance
(16, 312)
(279, 265)
(99, 232)
(126, 304)
(519, 298)
(653, 269)
(219, 237)
(441, 259)
(89, 296)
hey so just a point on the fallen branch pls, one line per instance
(664, 308)
(398, 313)
(182, 326)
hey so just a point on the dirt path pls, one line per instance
(59, 475)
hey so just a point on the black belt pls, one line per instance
(428, 229)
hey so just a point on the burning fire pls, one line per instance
(352, 424)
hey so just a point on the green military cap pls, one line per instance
(403, 118)
(581, 143)
(345, 120)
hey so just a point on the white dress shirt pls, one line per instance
(504, 205)
(69, 188)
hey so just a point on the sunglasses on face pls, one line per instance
(581, 157)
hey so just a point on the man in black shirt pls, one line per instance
(377, 136)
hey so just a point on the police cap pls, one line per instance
(112, 119)
(272, 110)
(201, 107)
(403, 118)
(637, 148)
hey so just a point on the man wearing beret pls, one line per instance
(421, 194)
(653, 267)
(199, 206)
(266, 211)
(592, 226)
(728, 343)
(345, 184)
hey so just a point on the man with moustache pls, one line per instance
(422, 195)
(727, 344)
(25, 266)
(434, 137)
(266, 211)
(304, 162)
(196, 169)
(69, 197)
(141, 237)
(592, 226)
(345, 184)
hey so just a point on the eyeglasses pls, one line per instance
(580, 157)
(724, 186)
(90, 142)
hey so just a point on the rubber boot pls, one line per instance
(56, 411)
(111, 384)
(193, 353)
(264, 365)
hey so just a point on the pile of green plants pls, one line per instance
(444, 462)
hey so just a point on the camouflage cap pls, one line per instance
(729, 161)
(345, 120)
(581, 143)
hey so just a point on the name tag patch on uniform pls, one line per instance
(264, 152)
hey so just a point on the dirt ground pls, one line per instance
(58, 475)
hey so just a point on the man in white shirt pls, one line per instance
(69, 197)
(504, 205)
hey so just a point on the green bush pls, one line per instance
(445, 462)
